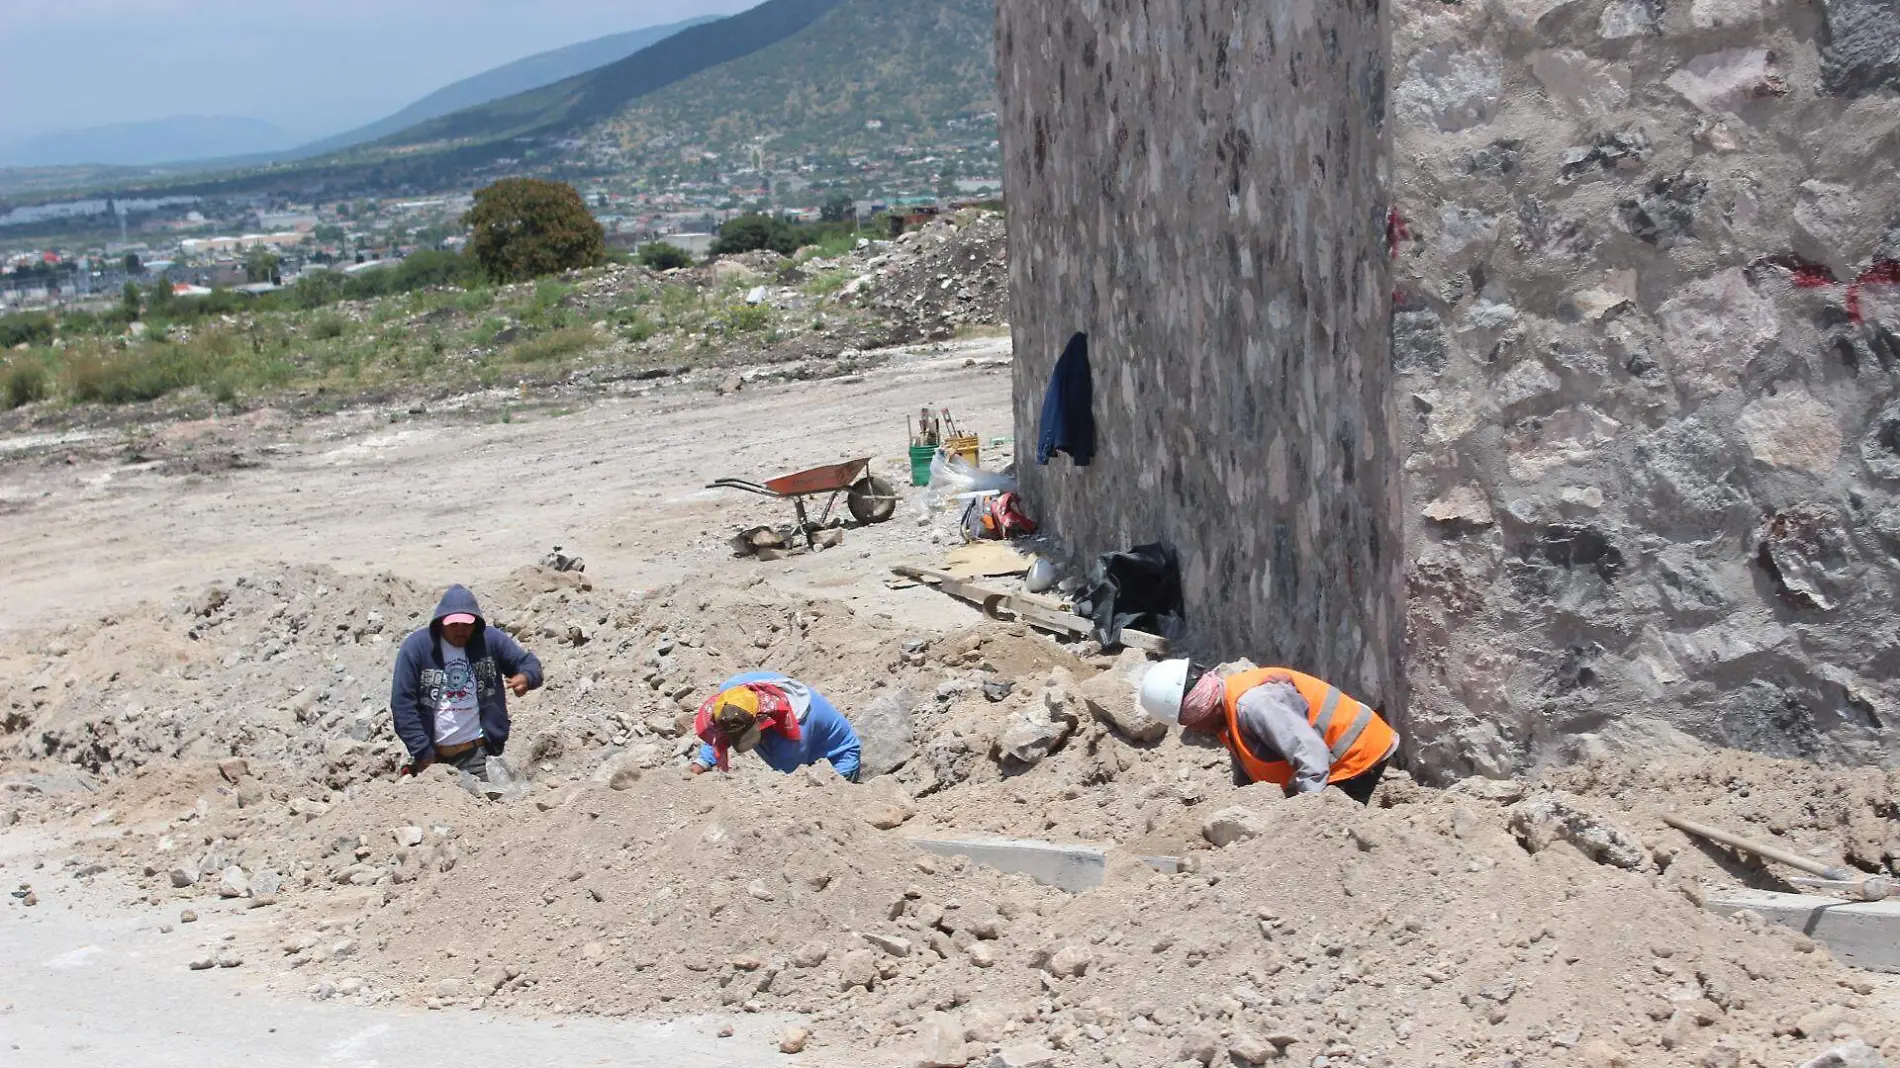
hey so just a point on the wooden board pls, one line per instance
(985, 559)
(1036, 611)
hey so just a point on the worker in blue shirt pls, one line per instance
(787, 723)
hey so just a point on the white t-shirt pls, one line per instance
(458, 718)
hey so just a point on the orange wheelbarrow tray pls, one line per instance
(869, 498)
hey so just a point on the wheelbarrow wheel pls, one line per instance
(871, 500)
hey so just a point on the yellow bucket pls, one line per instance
(965, 447)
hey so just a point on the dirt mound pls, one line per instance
(242, 740)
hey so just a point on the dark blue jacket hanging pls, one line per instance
(1068, 423)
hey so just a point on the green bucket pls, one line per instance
(920, 457)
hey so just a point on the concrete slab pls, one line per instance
(1864, 934)
(1072, 868)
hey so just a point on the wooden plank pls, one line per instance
(1036, 611)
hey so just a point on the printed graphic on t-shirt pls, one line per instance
(458, 684)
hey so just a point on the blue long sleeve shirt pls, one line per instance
(824, 735)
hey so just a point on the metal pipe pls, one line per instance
(1766, 852)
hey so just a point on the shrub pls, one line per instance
(664, 257)
(24, 382)
(526, 228)
(25, 328)
(748, 319)
(558, 345)
(329, 327)
(750, 233)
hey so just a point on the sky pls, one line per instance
(313, 67)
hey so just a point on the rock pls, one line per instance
(1792, 429)
(981, 954)
(896, 947)
(858, 968)
(1547, 817)
(1629, 18)
(226, 960)
(887, 733)
(188, 916)
(1043, 727)
(203, 964)
(1110, 698)
(1862, 55)
(732, 383)
(811, 954)
(996, 692)
(408, 837)
(1231, 825)
(1714, 326)
(1200, 1044)
(234, 769)
(1804, 549)
(181, 879)
(266, 883)
(1466, 505)
(1249, 1048)
(1724, 81)
(1024, 1055)
(1597, 1053)
(1821, 1022)
(1855, 1054)
(793, 1040)
(1449, 90)
(941, 1043)
(234, 883)
(888, 816)
(1068, 961)
(451, 989)
(1582, 87)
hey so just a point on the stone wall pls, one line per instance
(1196, 185)
(1647, 343)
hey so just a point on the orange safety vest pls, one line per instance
(1357, 736)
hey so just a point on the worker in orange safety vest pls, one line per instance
(1292, 730)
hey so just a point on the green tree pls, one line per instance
(664, 257)
(525, 228)
(749, 233)
(133, 265)
(840, 208)
(130, 300)
(260, 265)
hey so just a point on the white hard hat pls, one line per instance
(1162, 689)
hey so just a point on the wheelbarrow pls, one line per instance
(869, 498)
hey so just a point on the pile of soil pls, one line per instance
(236, 743)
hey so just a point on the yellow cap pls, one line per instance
(735, 710)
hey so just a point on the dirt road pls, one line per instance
(463, 496)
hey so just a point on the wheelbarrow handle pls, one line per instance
(741, 484)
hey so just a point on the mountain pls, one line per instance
(133, 144)
(597, 95)
(869, 73)
(521, 76)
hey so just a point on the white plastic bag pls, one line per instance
(954, 482)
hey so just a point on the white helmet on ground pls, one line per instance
(1162, 689)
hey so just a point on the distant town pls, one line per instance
(84, 252)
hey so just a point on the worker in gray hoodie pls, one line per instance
(450, 694)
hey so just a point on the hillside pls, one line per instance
(578, 102)
(914, 66)
(521, 76)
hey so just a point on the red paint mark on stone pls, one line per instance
(1396, 230)
(1884, 273)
